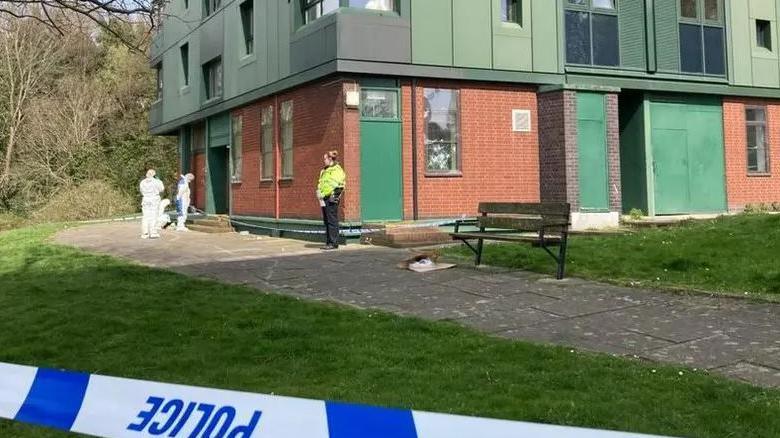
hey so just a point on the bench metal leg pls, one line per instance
(562, 256)
(479, 253)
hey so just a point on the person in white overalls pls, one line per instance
(183, 201)
(150, 188)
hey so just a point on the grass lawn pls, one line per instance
(60, 307)
(735, 255)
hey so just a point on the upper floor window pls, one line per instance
(592, 32)
(442, 131)
(511, 11)
(159, 71)
(764, 34)
(248, 26)
(210, 6)
(702, 37)
(212, 78)
(314, 9)
(757, 150)
(184, 51)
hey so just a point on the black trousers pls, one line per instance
(330, 215)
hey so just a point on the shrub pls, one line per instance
(91, 200)
(636, 214)
(10, 221)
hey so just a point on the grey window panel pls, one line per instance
(605, 40)
(715, 61)
(691, 53)
(577, 37)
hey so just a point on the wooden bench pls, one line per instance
(543, 225)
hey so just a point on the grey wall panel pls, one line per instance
(212, 38)
(374, 38)
(314, 44)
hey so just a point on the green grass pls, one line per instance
(734, 255)
(60, 307)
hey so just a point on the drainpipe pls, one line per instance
(277, 159)
(415, 209)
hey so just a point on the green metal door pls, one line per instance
(687, 157)
(217, 169)
(381, 189)
(592, 151)
(670, 170)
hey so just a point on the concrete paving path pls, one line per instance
(736, 338)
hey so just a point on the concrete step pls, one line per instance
(407, 237)
(209, 229)
(211, 221)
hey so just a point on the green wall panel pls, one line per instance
(592, 152)
(633, 47)
(666, 31)
(512, 43)
(432, 32)
(741, 43)
(472, 27)
(219, 130)
(547, 55)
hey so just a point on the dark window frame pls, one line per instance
(458, 142)
(158, 81)
(764, 34)
(184, 54)
(589, 8)
(703, 25)
(508, 16)
(212, 71)
(246, 11)
(765, 148)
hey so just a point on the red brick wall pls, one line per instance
(496, 163)
(199, 185)
(742, 188)
(318, 126)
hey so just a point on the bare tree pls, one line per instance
(62, 15)
(28, 56)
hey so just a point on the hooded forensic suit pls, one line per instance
(150, 188)
(183, 201)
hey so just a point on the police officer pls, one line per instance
(329, 190)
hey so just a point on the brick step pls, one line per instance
(211, 222)
(407, 237)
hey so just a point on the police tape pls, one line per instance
(116, 407)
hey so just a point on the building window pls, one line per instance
(314, 9)
(184, 50)
(248, 26)
(236, 148)
(764, 34)
(379, 104)
(377, 5)
(511, 11)
(212, 77)
(159, 72)
(702, 40)
(287, 138)
(757, 150)
(186, 4)
(267, 146)
(442, 130)
(210, 6)
(592, 33)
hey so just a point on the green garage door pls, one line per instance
(687, 157)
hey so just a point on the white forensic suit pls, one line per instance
(150, 203)
(183, 201)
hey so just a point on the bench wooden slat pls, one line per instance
(551, 240)
(519, 223)
(544, 208)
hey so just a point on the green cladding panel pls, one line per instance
(633, 46)
(512, 42)
(544, 27)
(432, 32)
(592, 152)
(667, 40)
(472, 33)
(219, 130)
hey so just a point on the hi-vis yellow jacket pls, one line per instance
(331, 178)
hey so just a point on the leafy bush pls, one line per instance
(636, 214)
(91, 200)
(10, 221)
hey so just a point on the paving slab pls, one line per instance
(739, 339)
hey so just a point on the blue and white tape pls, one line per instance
(114, 407)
